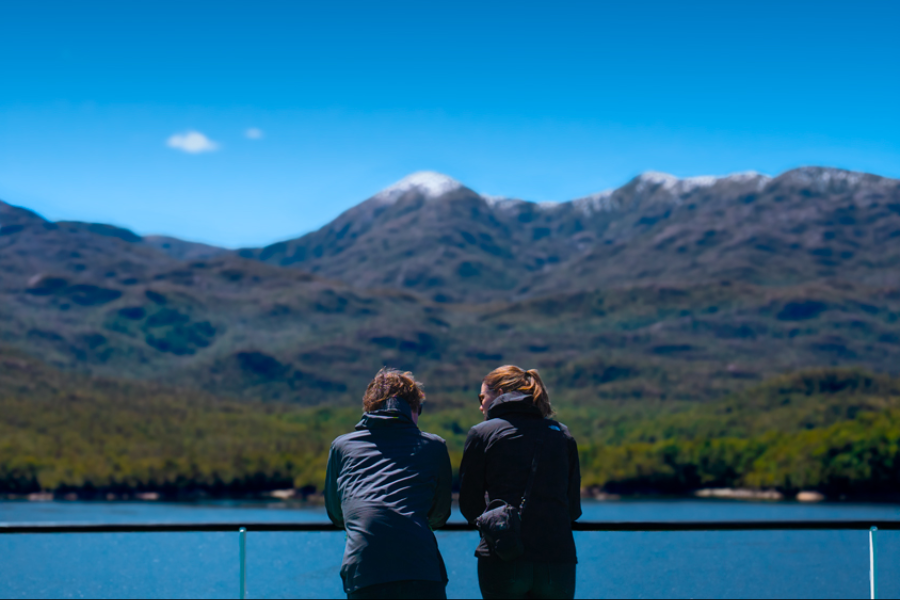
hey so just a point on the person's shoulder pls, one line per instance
(431, 438)
(490, 427)
(484, 427)
(342, 441)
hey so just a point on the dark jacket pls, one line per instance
(497, 462)
(388, 486)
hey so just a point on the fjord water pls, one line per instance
(826, 564)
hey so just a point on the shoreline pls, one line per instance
(301, 499)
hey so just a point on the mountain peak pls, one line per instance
(429, 184)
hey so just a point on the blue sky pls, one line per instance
(539, 100)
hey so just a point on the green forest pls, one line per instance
(836, 431)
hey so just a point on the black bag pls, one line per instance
(501, 523)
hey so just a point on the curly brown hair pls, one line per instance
(514, 379)
(391, 383)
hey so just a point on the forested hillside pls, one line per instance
(836, 431)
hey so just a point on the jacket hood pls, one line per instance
(512, 402)
(393, 413)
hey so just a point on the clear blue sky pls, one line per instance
(540, 100)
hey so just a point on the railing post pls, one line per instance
(243, 542)
(873, 587)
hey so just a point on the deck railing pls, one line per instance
(619, 526)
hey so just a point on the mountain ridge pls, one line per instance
(682, 291)
(459, 246)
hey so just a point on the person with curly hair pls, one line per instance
(388, 486)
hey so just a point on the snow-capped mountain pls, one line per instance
(674, 278)
(426, 184)
(433, 234)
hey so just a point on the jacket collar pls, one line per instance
(512, 402)
(393, 413)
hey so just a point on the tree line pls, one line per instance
(836, 431)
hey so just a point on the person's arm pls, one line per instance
(443, 496)
(471, 478)
(332, 494)
(574, 480)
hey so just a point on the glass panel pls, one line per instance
(888, 543)
(294, 565)
(642, 565)
(755, 564)
(132, 565)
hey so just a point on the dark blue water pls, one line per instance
(282, 565)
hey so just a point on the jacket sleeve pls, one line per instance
(574, 480)
(332, 494)
(471, 478)
(443, 495)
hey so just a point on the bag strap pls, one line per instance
(534, 466)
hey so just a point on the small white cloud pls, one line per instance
(254, 134)
(193, 142)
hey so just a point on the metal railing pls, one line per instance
(618, 526)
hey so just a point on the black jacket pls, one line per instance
(388, 485)
(497, 462)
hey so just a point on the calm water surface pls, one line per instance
(286, 565)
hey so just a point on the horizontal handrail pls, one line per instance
(609, 526)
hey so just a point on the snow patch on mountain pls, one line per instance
(676, 186)
(670, 183)
(596, 203)
(428, 183)
(501, 202)
(822, 179)
(652, 182)
(746, 177)
(655, 178)
(673, 184)
(434, 185)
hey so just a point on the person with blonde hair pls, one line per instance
(388, 486)
(520, 484)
